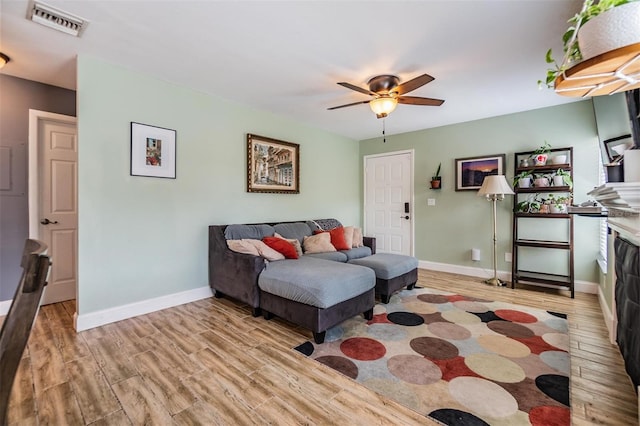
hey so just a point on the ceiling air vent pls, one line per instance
(57, 19)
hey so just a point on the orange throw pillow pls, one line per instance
(337, 238)
(281, 246)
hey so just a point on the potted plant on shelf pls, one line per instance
(581, 41)
(541, 154)
(558, 205)
(523, 180)
(436, 179)
(562, 178)
(531, 205)
(541, 180)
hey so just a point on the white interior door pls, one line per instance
(54, 199)
(389, 201)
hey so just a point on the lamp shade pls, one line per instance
(382, 106)
(495, 185)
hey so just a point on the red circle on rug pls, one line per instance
(516, 316)
(363, 349)
(549, 416)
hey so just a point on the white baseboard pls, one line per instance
(4, 307)
(580, 286)
(118, 313)
(609, 320)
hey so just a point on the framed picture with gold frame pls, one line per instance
(273, 166)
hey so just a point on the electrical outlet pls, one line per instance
(507, 257)
(431, 201)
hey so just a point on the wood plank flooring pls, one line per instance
(210, 362)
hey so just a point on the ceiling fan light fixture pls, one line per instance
(383, 106)
(3, 59)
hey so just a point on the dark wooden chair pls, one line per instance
(21, 316)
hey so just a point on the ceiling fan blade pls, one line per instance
(348, 105)
(414, 100)
(357, 89)
(413, 84)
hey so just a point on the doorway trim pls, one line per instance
(411, 153)
(35, 117)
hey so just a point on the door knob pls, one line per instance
(46, 221)
(405, 217)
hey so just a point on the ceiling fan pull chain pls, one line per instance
(384, 136)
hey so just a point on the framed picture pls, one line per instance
(470, 172)
(153, 151)
(272, 165)
(616, 147)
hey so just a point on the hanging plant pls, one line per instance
(590, 10)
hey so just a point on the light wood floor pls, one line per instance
(210, 362)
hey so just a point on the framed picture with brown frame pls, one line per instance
(471, 171)
(273, 166)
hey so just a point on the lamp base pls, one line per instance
(495, 282)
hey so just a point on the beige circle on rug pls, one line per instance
(418, 307)
(414, 369)
(504, 346)
(495, 367)
(483, 397)
(559, 340)
(465, 305)
(446, 330)
(460, 317)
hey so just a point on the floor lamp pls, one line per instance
(494, 187)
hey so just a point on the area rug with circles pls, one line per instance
(459, 360)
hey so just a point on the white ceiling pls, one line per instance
(287, 56)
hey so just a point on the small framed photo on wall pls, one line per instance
(153, 151)
(470, 172)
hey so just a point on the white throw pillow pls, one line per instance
(255, 248)
(319, 243)
(266, 251)
(357, 237)
(348, 235)
(243, 246)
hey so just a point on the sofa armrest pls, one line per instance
(371, 243)
(230, 273)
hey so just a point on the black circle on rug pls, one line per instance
(554, 386)
(405, 318)
(306, 348)
(449, 416)
(341, 364)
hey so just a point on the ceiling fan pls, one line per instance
(388, 93)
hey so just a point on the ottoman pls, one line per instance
(393, 271)
(316, 293)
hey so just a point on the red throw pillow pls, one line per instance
(281, 246)
(337, 238)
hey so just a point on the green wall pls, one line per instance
(140, 237)
(446, 233)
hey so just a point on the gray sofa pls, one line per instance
(317, 291)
